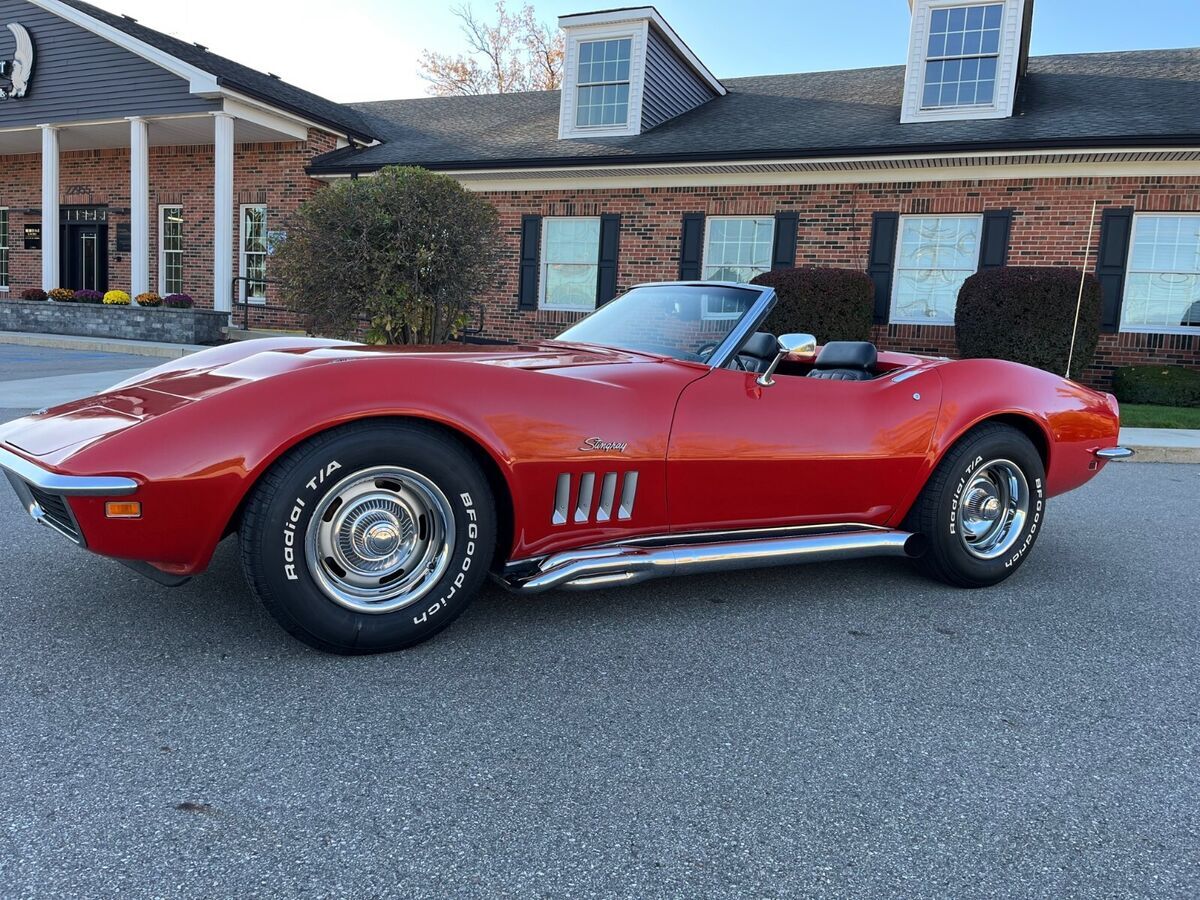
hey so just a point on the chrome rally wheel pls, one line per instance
(370, 537)
(380, 539)
(983, 507)
(993, 509)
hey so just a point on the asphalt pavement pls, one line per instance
(33, 377)
(846, 730)
(843, 730)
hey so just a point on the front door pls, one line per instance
(802, 451)
(85, 256)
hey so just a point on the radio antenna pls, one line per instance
(1087, 249)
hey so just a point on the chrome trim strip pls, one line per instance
(66, 485)
(1114, 453)
(604, 567)
(748, 325)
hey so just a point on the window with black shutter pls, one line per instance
(881, 258)
(531, 247)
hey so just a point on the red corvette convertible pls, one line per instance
(374, 489)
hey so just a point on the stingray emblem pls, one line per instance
(21, 68)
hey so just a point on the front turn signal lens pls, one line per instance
(125, 509)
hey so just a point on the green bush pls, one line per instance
(833, 304)
(1026, 314)
(1158, 385)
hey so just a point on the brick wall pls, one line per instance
(1049, 228)
(263, 173)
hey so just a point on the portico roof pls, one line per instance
(226, 73)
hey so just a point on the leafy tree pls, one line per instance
(407, 250)
(516, 53)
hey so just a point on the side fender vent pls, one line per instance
(576, 501)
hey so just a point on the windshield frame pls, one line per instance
(732, 342)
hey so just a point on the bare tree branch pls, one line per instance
(515, 53)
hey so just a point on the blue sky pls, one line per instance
(367, 49)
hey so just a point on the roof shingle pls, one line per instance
(1069, 101)
(238, 77)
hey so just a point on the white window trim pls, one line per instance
(1130, 270)
(544, 264)
(1007, 61)
(581, 85)
(162, 250)
(255, 301)
(5, 287)
(637, 34)
(708, 220)
(894, 319)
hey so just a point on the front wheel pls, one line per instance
(369, 538)
(982, 509)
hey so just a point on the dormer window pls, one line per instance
(627, 71)
(963, 59)
(960, 67)
(603, 83)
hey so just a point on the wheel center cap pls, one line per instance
(382, 539)
(990, 509)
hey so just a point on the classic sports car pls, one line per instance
(375, 488)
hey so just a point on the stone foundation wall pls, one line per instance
(175, 326)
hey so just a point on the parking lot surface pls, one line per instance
(843, 730)
(837, 730)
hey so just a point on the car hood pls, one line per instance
(193, 378)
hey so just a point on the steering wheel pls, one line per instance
(704, 351)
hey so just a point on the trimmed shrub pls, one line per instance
(34, 295)
(178, 301)
(149, 299)
(89, 297)
(116, 298)
(833, 304)
(62, 295)
(1026, 314)
(1158, 385)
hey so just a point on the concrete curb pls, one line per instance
(1163, 455)
(1172, 445)
(99, 345)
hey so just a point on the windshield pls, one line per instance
(683, 321)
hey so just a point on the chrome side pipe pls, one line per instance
(622, 565)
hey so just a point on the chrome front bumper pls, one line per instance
(65, 485)
(43, 493)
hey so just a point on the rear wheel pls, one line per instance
(369, 538)
(982, 509)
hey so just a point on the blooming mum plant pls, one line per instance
(62, 295)
(33, 294)
(116, 298)
(149, 299)
(89, 297)
(178, 301)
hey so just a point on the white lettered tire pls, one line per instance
(982, 509)
(371, 537)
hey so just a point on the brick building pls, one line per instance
(645, 167)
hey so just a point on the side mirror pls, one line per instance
(789, 345)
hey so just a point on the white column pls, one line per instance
(223, 213)
(50, 274)
(139, 205)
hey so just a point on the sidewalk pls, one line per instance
(1163, 444)
(98, 345)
